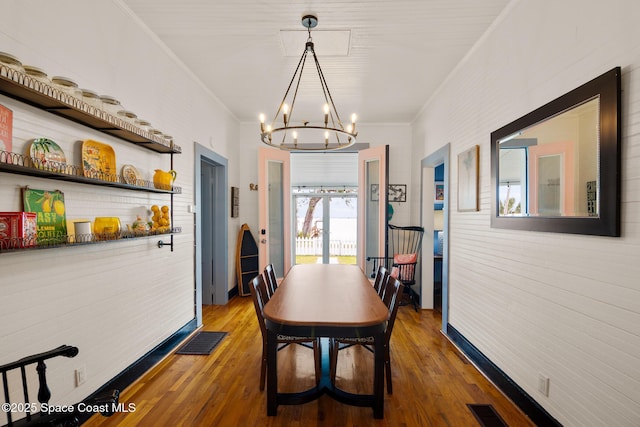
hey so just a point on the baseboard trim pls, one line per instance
(232, 292)
(520, 398)
(138, 368)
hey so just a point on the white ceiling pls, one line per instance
(399, 51)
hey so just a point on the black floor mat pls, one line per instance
(202, 343)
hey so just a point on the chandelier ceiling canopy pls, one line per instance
(289, 133)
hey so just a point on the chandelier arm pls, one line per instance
(284, 98)
(325, 88)
(303, 59)
(295, 93)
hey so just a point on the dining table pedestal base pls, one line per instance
(326, 301)
(325, 385)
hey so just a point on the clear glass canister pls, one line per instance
(11, 61)
(36, 74)
(128, 116)
(143, 124)
(110, 104)
(168, 140)
(67, 85)
(91, 98)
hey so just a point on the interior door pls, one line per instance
(208, 185)
(274, 206)
(551, 177)
(373, 177)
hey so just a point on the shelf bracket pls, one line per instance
(162, 243)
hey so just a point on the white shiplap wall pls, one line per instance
(114, 301)
(565, 306)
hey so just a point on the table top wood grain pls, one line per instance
(326, 295)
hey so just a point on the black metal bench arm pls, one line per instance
(44, 394)
(108, 400)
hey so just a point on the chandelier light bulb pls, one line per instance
(295, 139)
(262, 117)
(326, 114)
(285, 112)
(326, 138)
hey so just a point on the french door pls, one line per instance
(373, 178)
(274, 206)
(326, 226)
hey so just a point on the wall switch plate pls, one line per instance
(81, 375)
(543, 384)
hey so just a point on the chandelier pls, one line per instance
(286, 134)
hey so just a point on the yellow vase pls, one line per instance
(163, 180)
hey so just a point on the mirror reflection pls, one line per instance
(551, 169)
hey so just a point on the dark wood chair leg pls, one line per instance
(263, 366)
(317, 360)
(387, 368)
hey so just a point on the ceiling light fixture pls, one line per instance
(305, 136)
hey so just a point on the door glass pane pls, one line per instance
(343, 229)
(549, 185)
(309, 229)
(372, 216)
(275, 199)
(513, 182)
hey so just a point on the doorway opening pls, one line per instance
(324, 195)
(211, 229)
(326, 225)
(434, 215)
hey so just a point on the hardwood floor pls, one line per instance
(432, 381)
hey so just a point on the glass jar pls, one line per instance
(155, 132)
(66, 85)
(168, 140)
(11, 61)
(127, 116)
(91, 98)
(110, 104)
(143, 124)
(36, 74)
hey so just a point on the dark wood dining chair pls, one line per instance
(270, 278)
(260, 296)
(392, 296)
(378, 283)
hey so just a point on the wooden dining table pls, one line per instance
(325, 301)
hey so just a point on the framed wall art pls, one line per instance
(397, 192)
(235, 202)
(375, 192)
(438, 194)
(468, 165)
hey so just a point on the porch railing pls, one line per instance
(313, 246)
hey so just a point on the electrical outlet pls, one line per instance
(543, 384)
(81, 375)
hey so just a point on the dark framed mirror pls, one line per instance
(557, 169)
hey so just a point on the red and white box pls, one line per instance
(6, 129)
(18, 230)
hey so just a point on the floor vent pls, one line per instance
(486, 415)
